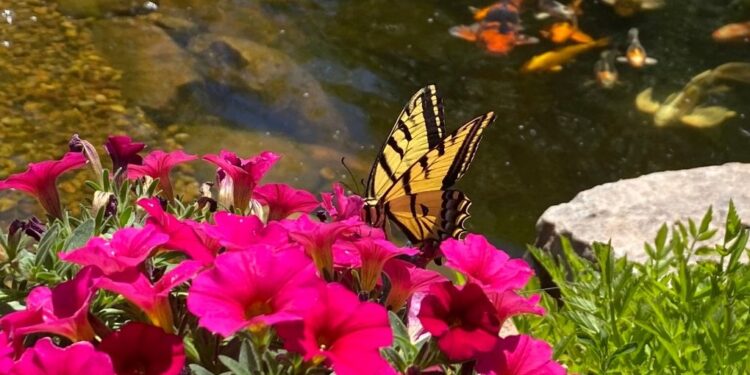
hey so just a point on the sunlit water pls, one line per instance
(556, 134)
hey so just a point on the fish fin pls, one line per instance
(652, 4)
(622, 59)
(542, 15)
(556, 68)
(600, 42)
(705, 117)
(525, 39)
(735, 71)
(581, 37)
(651, 61)
(464, 32)
(645, 103)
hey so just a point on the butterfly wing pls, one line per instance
(430, 215)
(444, 164)
(420, 127)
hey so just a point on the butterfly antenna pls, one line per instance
(351, 175)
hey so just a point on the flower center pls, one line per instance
(258, 308)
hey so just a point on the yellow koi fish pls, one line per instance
(553, 61)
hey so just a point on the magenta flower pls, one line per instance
(123, 151)
(127, 249)
(463, 321)
(240, 176)
(237, 232)
(253, 289)
(40, 181)
(47, 359)
(484, 264)
(373, 253)
(339, 206)
(283, 200)
(342, 332)
(509, 303)
(182, 235)
(152, 299)
(7, 353)
(62, 311)
(519, 355)
(141, 349)
(318, 238)
(157, 164)
(407, 279)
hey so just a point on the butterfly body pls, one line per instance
(410, 183)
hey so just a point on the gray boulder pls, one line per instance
(630, 212)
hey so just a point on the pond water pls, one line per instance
(320, 79)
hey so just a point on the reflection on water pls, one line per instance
(318, 79)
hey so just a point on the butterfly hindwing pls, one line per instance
(444, 164)
(430, 215)
(420, 127)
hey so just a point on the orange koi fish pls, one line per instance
(552, 61)
(561, 32)
(733, 32)
(497, 28)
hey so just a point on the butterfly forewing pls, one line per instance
(444, 164)
(420, 127)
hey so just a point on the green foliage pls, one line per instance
(685, 311)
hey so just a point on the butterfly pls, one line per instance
(410, 182)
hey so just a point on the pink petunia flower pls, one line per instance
(238, 177)
(237, 232)
(373, 253)
(182, 235)
(253, 289)
(283, 200)
(341, 207)
(127, 249)
(123, 151)
(342, 332)
(519, 355)
(407, 279)
(463, 321)
(152, 299)
(509, 303)
(7, 353)
(62, 310)
(47, 359)
(158, 164)
(484, 264)
(142, 349)
(40, 181)
(318, 238)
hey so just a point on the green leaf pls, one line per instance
(234, 366)
(80, 235)
(199, 370)
(706, 221)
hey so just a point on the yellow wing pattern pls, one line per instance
(419, 127)
(410, 181)
(433, 214)
(443, 165)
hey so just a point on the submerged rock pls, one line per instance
(273, 79)
(630, 212)
(100, 8)
(154, 67)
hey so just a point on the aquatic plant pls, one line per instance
(269, 280)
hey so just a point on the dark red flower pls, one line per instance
(463, 321)
(142, 349)
(123, 151)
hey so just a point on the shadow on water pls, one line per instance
(556, 134)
